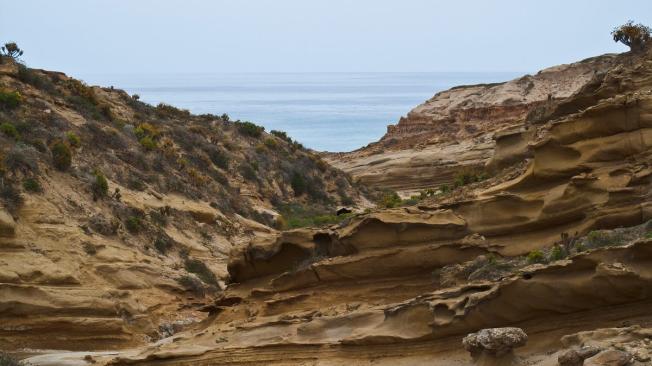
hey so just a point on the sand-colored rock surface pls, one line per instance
(459, 128)
(521, 249)
(550, 255)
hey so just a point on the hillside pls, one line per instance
(117, 217)
(457, 129)
(556, 243)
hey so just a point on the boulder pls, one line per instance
(609, 358)
(576, 357)
(494, 341)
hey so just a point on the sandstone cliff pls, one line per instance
(457, 128)
(117, 218)
(556, 243)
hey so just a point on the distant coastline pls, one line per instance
(325, 111)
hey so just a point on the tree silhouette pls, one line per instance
(12, 50)
(636, 36)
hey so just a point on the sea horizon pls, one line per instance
(325, 111)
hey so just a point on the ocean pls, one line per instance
(324, 111)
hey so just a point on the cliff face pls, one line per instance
(556, 243)
(456, 128)
(117, 218)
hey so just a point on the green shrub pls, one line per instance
(271, 143)
(282, 135)
(162, 244)
(390, 199)
(9, 129)
(166, 110)
(29, 76)
(298, 184)
(250, 129)
(535, 256)
(148, 143)
(445, 189)
(557, 253)
(100, 185)
(73, 139)
(61, 155)
(32, 185)
(248, 172)
(133, 224)
(219, 158)
(465, 177)
(7, 360)
(201, 270)
(10, 100)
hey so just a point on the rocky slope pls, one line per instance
(117, 218)
(558, 244)
(457, 129)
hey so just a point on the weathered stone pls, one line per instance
(609, 358)
(576, 357)
(570, 358)
(7, 225)
(496, 341)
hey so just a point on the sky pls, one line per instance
(178, 36)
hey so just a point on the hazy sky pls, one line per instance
(87, 36)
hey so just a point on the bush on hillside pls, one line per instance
(535, 256)
(390, 199)
(100, 186)
(73, 139)
(31, 77)
(61, 155)
(9, 130)
(250, 129)
(147, 143)
(133, 224)
(298, 184)
(10, 100)
(32, 185)
(468, 176)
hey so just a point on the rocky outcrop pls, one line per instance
(461, 127)
(518, 250)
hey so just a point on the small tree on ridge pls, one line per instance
(636, 36)
(11, 49)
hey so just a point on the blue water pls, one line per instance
(324, 111)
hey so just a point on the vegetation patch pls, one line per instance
(296, 215)
(200, 270)
(100, 186)
(32, 185)
(8, 360)
(9, 130)
(250, 129)
(134, 224)
(10, 99)
(61, 155)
